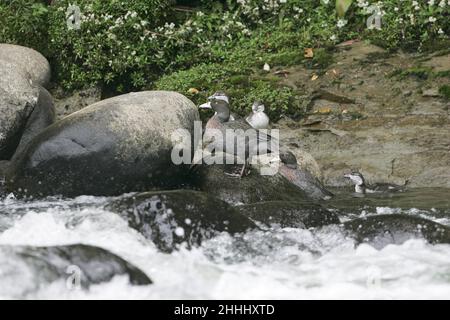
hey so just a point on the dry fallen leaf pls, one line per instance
(266, 67)
(309, 53)
(193, 91)
(314, 77)
(324, 110)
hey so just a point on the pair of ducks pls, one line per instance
(223, 120)
(258, 119)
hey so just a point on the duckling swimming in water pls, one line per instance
(360, 185)
(258, 119)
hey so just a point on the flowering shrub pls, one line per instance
(128, 45)
(116, 44)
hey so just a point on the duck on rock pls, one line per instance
(260, 143)
(258, 119)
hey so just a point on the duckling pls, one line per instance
(360, 185)
(258, 119)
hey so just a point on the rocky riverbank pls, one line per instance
(384, 114)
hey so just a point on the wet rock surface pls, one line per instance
(382, 230)
(252, 188)
(303, 215)
(33, 267)
(18, 98)
(118, 145)
(170, 218)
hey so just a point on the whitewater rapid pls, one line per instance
(284, 263)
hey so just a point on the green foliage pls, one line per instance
(129, 45)
(24, 22)
(342, 7)
(244, 89)
(445, 91)
(115, 45)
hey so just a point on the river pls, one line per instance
(280, 263)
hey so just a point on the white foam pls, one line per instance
(281, 264)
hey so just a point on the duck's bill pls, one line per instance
(205, 106)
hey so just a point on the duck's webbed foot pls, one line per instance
(245, 170)
(242, 172)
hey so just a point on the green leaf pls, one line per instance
(342, 7)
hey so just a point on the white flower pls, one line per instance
(266, 67)
(200, 14)
(440, 31)
(325, 2)
(396, 9)
(341, 23)
(442, 3)
(432, 19)
(283, 1)
(333, 38)
(415, 3)
(431, 2)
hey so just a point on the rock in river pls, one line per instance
(251, 188)
(289, 214)
(170, 218)
(118, 145)
(25, 269)
(381, 230)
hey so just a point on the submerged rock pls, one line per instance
(381, 230)
(118, 145)
(170, 218)
(25, 269)
(27, 61)
(289, 214)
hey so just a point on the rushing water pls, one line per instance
(275, 264)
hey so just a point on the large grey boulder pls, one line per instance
(117, 145)
(26, 108)
(26, 269)
(18, 98)
(29, 61)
